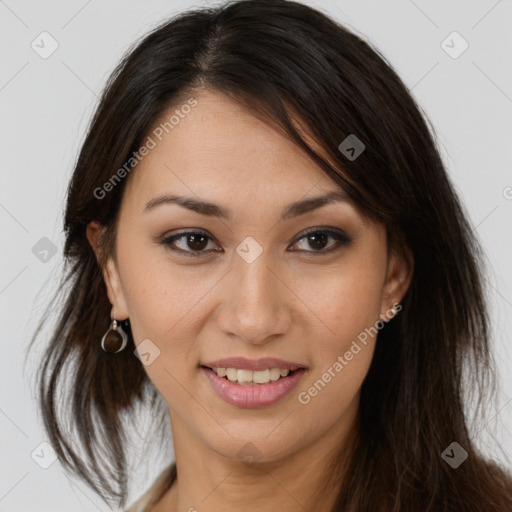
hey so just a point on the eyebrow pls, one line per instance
(213, 210)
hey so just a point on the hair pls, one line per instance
(288, 62)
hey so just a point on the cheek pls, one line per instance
(349, 308)
(341, 363)
(345, 302)
(161, 297)
(163, 307)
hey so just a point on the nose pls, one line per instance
(253, 302)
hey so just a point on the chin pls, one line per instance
(251, 444)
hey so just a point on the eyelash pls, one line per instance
(341, 238)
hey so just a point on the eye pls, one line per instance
(195, 243)
(195, 240)
(318, 237)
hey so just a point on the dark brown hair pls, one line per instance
(287, 61)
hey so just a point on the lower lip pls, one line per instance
(253, 396)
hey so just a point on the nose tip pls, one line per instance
(256, 324)
(254, 310)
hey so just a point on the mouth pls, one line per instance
(245, 377)
(246, 388)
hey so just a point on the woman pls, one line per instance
(265, 247)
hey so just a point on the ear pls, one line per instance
(110, 272)
(398, 278)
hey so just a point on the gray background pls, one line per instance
(45, 105)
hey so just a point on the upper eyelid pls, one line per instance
(188, 231)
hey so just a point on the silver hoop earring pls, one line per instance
(115, 339)
(396, 307)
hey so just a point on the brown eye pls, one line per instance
(193, 243)
(317, 239)
(197, 242)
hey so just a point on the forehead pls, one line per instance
(221, 151)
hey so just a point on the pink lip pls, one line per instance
(241, 363)
(252, 396)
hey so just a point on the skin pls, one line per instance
(284, 304)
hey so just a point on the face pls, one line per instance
(302, 291)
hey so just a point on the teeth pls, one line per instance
(261, 377)
(275, 373)
(244, 376)
(248, 377)
(231, 373)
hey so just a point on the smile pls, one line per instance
(248, 377)
(252, 389)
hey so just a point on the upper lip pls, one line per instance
(242, 363)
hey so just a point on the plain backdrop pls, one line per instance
(46, 103)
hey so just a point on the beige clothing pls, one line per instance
(155, 492)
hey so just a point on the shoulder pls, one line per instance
(155, 491)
